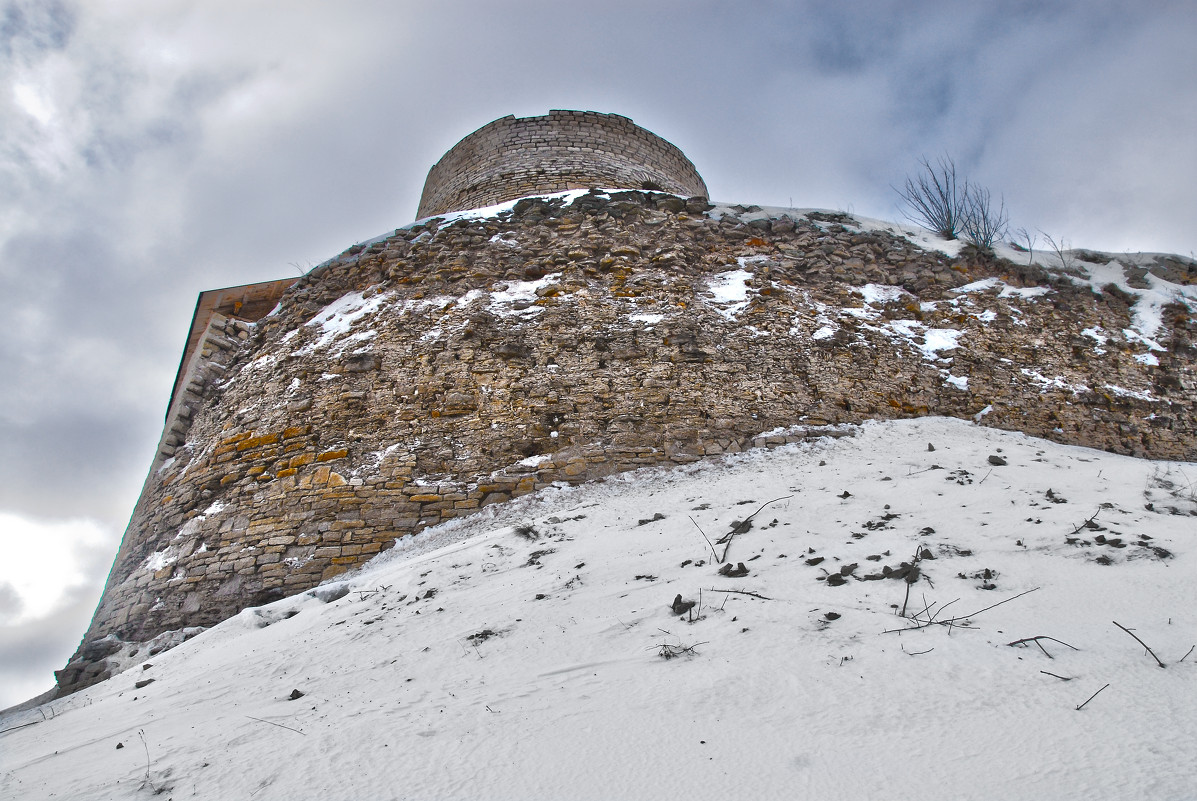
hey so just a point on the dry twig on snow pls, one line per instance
(714, 553)
(742, 592)
(742, 526)
(1041, 648)
(1131, 633)
(953, 621)
(1090, 698)
(272, 723)
(1087, 522)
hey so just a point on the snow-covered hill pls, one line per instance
(533, 651)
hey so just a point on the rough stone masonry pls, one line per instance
(463, 361)
(515, 157)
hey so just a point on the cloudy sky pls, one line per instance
(151, 149)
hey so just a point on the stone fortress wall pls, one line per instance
(515, 157)
(456, 365)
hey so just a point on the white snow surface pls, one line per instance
(730, 290)
(1147, 305)
(160, 559)
(933, 339)
(824, 332)
(472, 662)
(519, 292)
(958, 381)
(338, 318)
(1006, 290)
(727, 287)
(1055, 382)
(646, 318)
(569, 196)
(880, 293)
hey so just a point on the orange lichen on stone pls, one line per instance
(335, 570)
(301, 460)
(254, 442)
(328, 456)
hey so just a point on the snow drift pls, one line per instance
(917, 610)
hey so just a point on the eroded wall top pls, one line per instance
(516, 157)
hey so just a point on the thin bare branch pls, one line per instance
(945, 606)
(935, 198)
(742, 592)
(1090, 698)
(272, 723)
(1042, 637)
(999, 603)
(955, 621)
(1062, 249)
(1145, 645)
(1026, 240)
(1087, 522)
(742, 526)
(714, 553)
(32, 722)
(983, 223)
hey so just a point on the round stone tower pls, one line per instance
(514, 157)
(454, 364)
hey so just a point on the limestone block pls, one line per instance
(332, 571)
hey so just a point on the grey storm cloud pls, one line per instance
(10, 601)
(32, 26)
(34, 643)
(153, 149)
(31, 650)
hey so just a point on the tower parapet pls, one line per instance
(514, 157)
